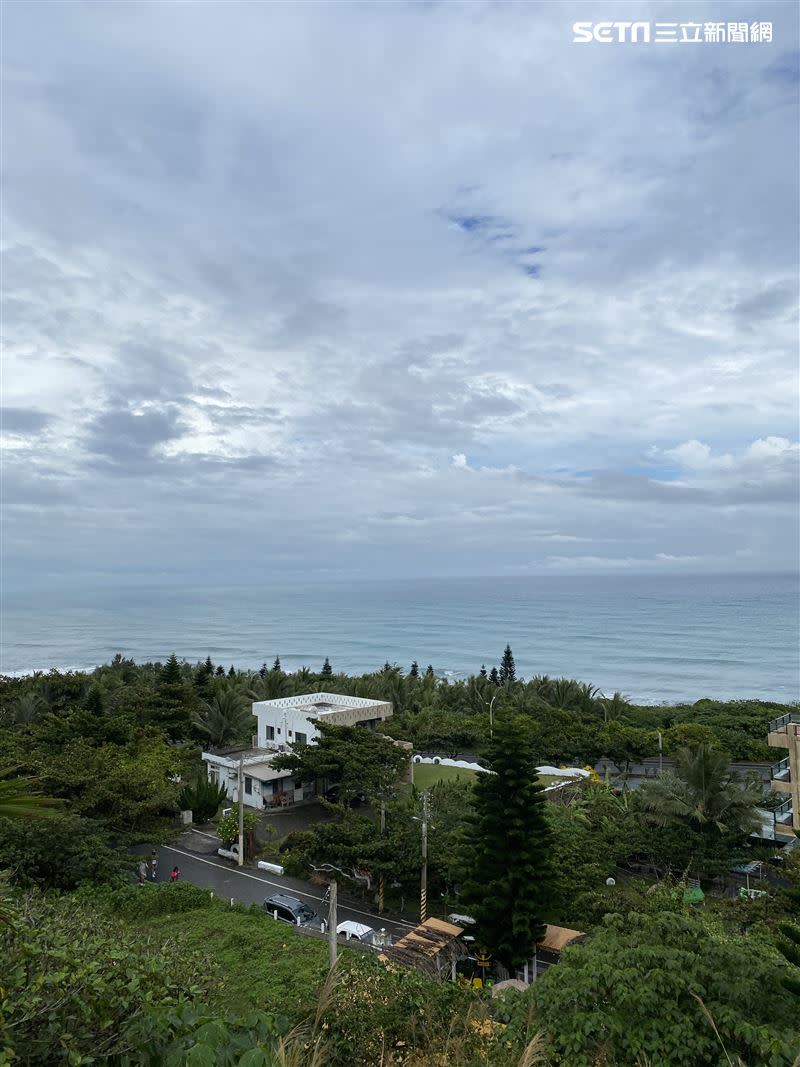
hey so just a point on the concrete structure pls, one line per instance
(282, 723)
(289, 719)
(784, 733)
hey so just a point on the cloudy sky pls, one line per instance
(387, 289)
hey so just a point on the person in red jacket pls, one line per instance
(175, 874)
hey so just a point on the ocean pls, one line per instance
(654, 638)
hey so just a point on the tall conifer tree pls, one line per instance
(508, 669)
(508, 875)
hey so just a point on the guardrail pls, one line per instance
(777, 725)
(783, 813)
(781, 769)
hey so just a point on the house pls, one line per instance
(281, 723)
(785, 777)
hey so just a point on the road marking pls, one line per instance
(281, 885)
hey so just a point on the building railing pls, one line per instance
(783, 813)
(779, 725)
(781, 769)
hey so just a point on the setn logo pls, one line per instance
(611, 32)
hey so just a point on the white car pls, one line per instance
(357, 932)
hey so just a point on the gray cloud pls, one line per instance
(23, 420)
(322, 250)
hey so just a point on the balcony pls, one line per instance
(781, 776)
(781, 732)
(782, 819)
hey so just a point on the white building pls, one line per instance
(281, 723)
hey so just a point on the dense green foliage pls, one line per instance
(128, 975)
(60, 851)
(75, 983)
(357, 760)
(203, 798)
(508, 880)
(646, 987)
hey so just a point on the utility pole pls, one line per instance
(423, 889)
(240, 858)
(660, 756)
(333, 891)
(382, 881)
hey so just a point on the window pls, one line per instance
(279, 730)
(290, 733)
(269, 733)
(248, 785)
(301, 738)
(298, 785)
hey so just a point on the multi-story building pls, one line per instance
(784, 733)
(281, 723)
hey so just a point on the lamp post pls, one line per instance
(491, 720)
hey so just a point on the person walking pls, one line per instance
(153, 866)
(176, 873)
(142, 872)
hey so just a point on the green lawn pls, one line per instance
(429, 774)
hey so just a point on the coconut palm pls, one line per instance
(614, 706)
(269, 686)
(702, 792)
(226, 717)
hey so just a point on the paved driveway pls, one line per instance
(252, 886)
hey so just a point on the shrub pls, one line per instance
(148, 901)
(203, 797)
(75, 982)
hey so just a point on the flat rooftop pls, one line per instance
(318, 705)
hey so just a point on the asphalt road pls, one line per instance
(252, 886)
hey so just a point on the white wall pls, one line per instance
(289, 721)
(259, 773)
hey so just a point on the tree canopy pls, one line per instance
(508, 875)
(356, 758)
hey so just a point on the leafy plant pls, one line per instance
(203, 798)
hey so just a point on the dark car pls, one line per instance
(290, 910)
(332, 796)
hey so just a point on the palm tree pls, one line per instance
(28, 707)
(19, 797)
(225, 717)
(614, 706)
(702, 792)
(564, 694)
(270, 686)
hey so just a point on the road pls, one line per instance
(252, 886)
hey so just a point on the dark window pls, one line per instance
(269, 733)
(298, 785)
(290, 733)
(301, 738)
(248, 785)
(279, 729)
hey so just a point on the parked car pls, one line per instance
(357, 932)
(332, 796)
(290, 910)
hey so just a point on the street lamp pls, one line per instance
(491, 720)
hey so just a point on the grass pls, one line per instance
(427, 775)
(266, 965)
